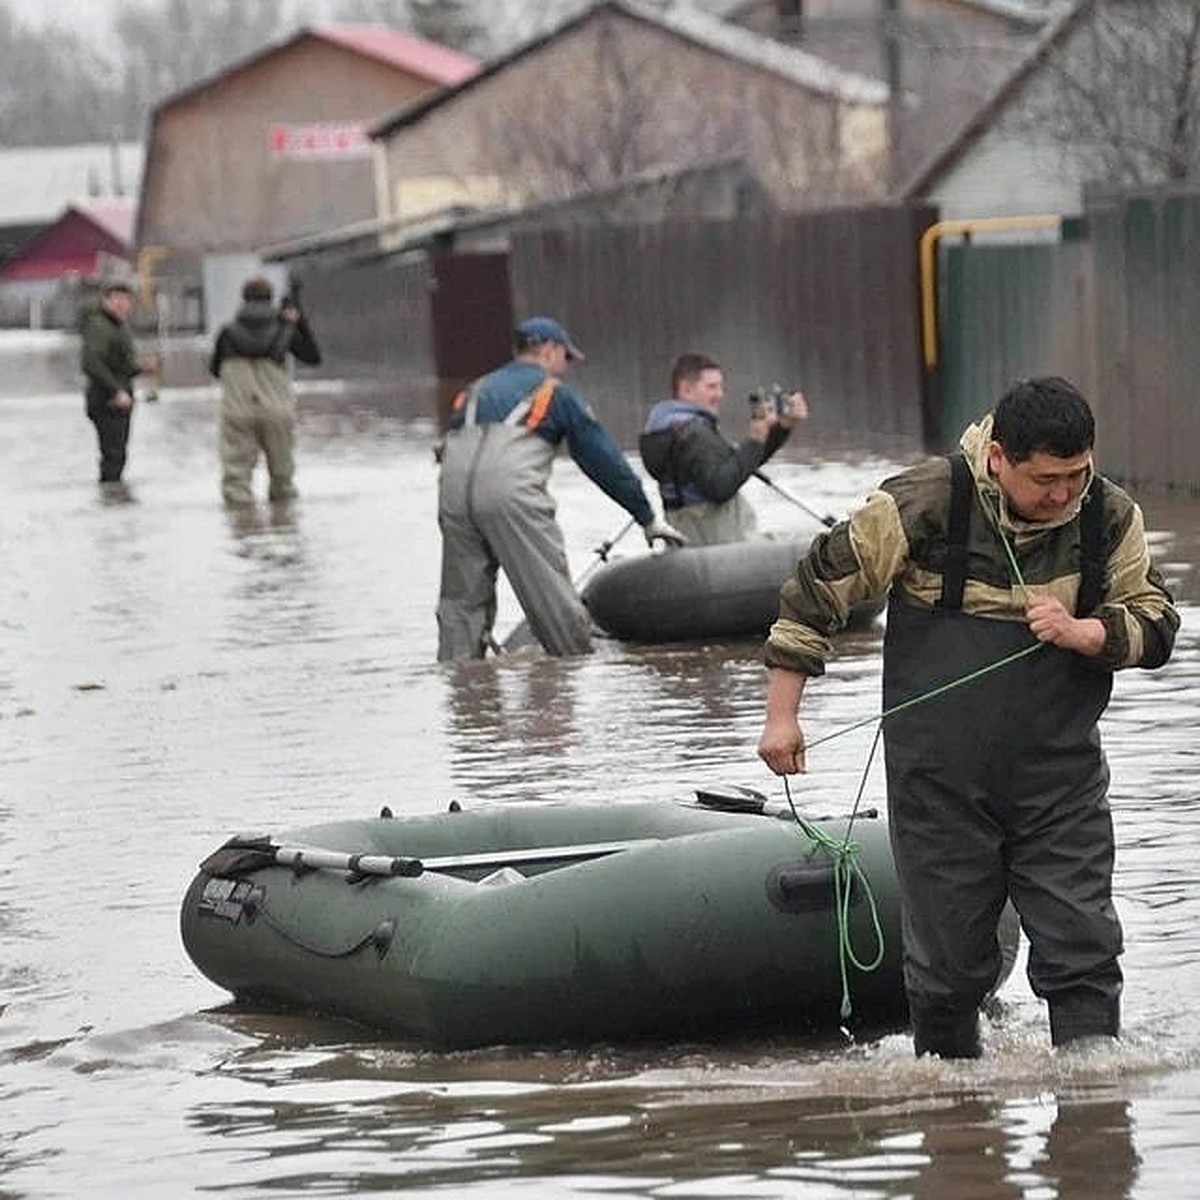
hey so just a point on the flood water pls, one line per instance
(170, 676)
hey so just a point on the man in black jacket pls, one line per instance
(699, 473)
(258, 401)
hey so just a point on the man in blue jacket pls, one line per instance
(494, 507)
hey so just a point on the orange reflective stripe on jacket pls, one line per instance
(539, 402)
(534, 405)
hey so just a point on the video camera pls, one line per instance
(764, 401)
(291, 295)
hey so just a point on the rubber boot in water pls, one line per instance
(949, 1033)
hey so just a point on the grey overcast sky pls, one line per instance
(94, 18)
(87, 18)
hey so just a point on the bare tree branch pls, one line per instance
(1120, 95)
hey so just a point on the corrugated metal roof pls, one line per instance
(405, 51)
(38, 182)
(694, 25)
(439, 64)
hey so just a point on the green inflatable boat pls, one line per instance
(561, 923)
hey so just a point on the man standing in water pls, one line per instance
(110, 363)
(258, 398)
(1012, 551)
(494, 504)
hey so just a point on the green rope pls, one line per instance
(930, 695)
(847, 869)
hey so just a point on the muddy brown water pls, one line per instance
(169, 676)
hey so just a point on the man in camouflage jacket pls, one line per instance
(998, 788)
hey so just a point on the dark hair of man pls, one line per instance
(1048, 415)
(689, 367)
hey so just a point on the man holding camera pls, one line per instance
(258, 401)
(699, 472)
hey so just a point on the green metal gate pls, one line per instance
(1006, 312)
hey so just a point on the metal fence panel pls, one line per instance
(375, 329)
(1008, 312)
(1117, 312)
(1147, 251)
(822, 301)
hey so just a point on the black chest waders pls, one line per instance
(998, 790)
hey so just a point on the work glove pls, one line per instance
(659, 530)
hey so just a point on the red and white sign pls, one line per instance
(323, 139)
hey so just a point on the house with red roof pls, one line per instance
(275, 146)
(90, 238)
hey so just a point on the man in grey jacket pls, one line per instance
(258, 400)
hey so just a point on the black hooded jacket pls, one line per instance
(258, 330)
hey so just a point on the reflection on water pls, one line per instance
(171, 674)
(747, 1120)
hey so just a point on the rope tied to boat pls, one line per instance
(844, 852)
(847, 872)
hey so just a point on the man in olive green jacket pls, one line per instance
(110, 363)
(1014, 555)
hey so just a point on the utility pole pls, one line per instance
(889, 54)
(790, 14)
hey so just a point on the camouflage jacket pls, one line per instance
(897, 541)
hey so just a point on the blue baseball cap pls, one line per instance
(535, 330)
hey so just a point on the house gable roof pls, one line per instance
(691, 24)
(112, 216)
(438, 64)
(71, 244)
(984, 117)
(430, 60)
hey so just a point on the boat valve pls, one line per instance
(381, 936)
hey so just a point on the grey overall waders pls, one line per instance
(495, 512)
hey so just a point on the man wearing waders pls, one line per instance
(258, 400)
(1011, 549)
(494, 508)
